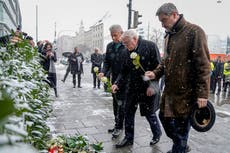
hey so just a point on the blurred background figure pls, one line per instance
(96, 59)
(76, 66)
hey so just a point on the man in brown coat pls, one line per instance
(186, 68)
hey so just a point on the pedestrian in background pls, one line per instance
(114, 59)
(186, 67)
(218, 75)
(140, 92)
(49, 57)
(67, 72)
(76, 67)
(96, 59)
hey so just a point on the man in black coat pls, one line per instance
(96, 59)
(114, 59)
(76, 66)
(142, 92)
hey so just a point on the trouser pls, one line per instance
(78, 79)
(53, 81)
(178, 130)
(227, 83)
(66, 74)
(95, 79)
(130, 119)
(212, 81)
(218, 81)
(118, 111)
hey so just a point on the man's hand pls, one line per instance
(150, 91)
(202, 102)
(150, 74)
(100, 75)
(114, 88)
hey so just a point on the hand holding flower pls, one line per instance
(114, 88)
(150, 74)
(150, 91)
(100, 75)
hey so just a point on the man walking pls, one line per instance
(114, 59)
(140, 92)
(186, 68)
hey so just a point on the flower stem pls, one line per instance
(142, 68)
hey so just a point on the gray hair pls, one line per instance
(116, 28)
(167, 9)
(131, 33)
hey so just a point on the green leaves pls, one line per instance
(6, 105)
(27, 102)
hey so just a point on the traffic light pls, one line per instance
(136, 16)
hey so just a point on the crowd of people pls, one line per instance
(220, 75)
(134, 67)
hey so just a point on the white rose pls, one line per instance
(104, 79)
(133, 55)
(95, 69)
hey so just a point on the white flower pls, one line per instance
(95, 69)
(133, 55)
(104, 79)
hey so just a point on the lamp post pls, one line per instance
(36, 23)
(129, 13)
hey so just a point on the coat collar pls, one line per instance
(177, 26)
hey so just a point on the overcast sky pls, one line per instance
(213, 17)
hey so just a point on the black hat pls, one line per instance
(202, 119)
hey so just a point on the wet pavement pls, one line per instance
(88, 111)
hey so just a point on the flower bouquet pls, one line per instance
(73, 144)
(107, 81)
(104, 79)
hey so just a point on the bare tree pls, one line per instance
(157, 36)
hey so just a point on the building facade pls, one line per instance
(10, 16)
(86, 41)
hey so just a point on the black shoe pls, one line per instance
(125, 142)
(98, 87)
(111, 130)
(188, 149)
(79, 87)
(154, 141)
(94, 87)
(74, 86)
(63, 81)
(116, 133)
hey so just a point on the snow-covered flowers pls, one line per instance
(136, 60)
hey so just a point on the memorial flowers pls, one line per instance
(136, 60)
(73, 144)
(107, 81)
